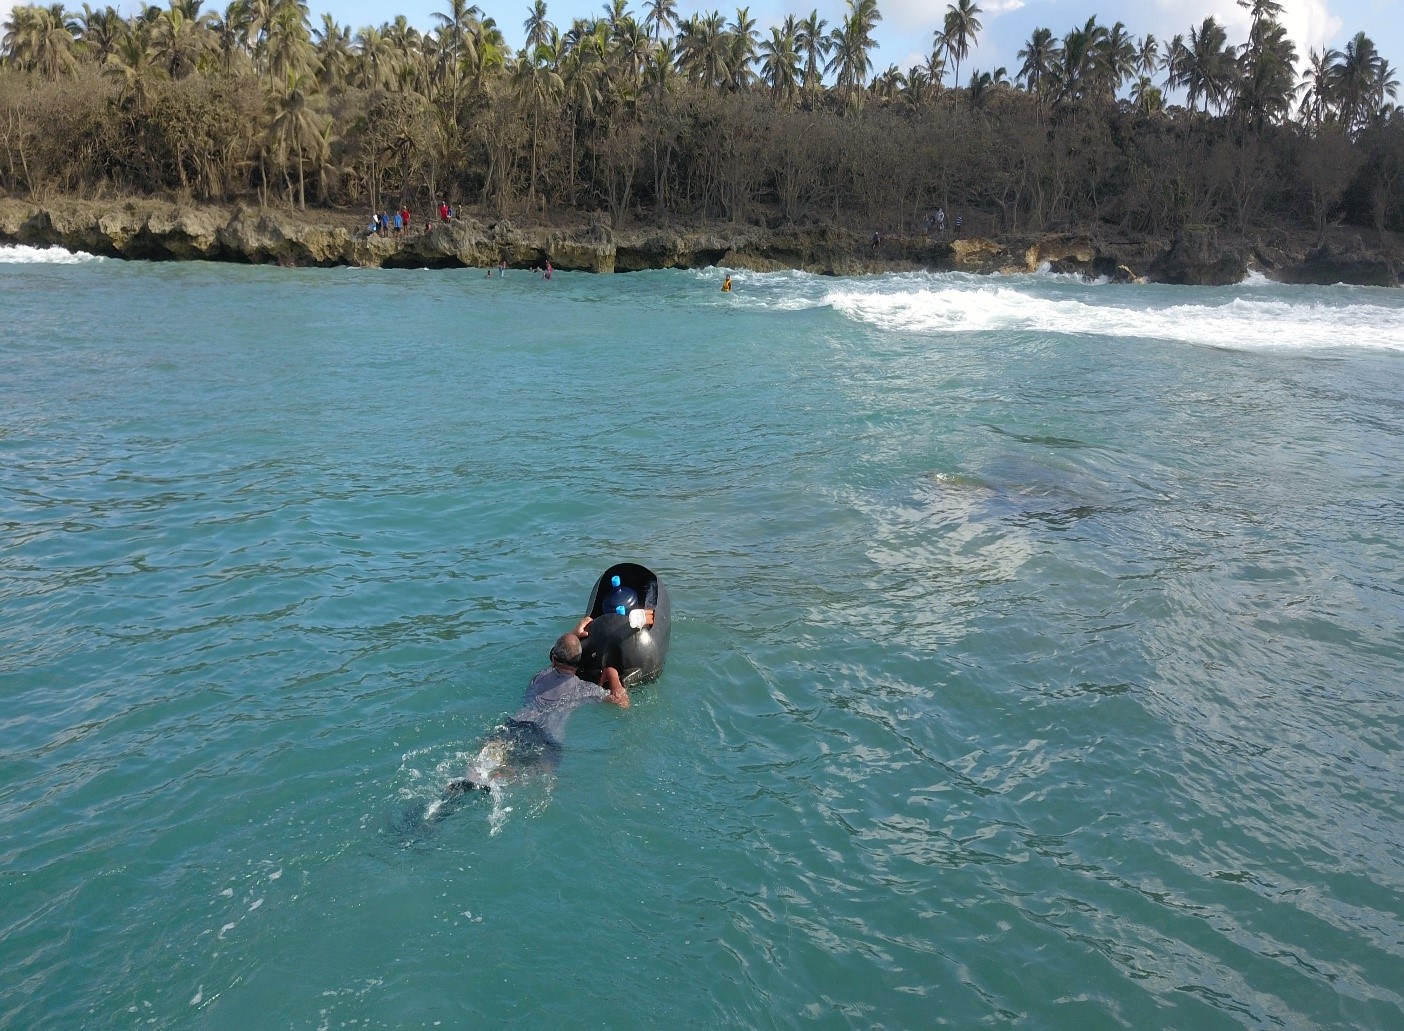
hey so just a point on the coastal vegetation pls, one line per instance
(643, 115)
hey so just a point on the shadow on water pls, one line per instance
(1041, 439)
(1056, 506)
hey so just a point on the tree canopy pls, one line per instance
(646, 114)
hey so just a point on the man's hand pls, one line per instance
(581, 627)
(609, 680)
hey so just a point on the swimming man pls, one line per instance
(536, 732)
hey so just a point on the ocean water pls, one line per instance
(1036, 655)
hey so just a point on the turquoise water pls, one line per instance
(1036, 652)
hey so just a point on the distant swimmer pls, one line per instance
(726, 285)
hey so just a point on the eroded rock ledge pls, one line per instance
(160, 231)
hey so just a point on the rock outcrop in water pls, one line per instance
(160, 231)
(1196, 258)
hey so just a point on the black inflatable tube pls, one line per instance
(638, 654)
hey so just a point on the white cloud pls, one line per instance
(1310, 23)
(928, 14)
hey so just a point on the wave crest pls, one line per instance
(1250, 320)
(22, 254)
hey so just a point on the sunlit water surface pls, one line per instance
(1036, 658)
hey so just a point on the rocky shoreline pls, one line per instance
(162, 231)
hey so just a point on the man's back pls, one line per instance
(550, 699)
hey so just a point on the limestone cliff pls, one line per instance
(162, 231)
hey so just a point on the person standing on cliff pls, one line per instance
(405, 215)
(443, 211)
(940, 221)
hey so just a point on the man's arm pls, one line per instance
(609, 680)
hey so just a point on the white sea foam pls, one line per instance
(20, 254)
(1249, 320)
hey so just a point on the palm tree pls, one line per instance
(458, 24)
(1207, 67)
(1360, 81)
(132, 68)
(40, 39)
(582, 75)
(888, 85)
(1318, 89)
(538, 87)
(230, 40)
(297, 127)
(1176, 54)
(630, 52)
(742, 41)
(253, 18)
(616, 11)
(851, 44)
(1147, 96)
(780, 61)
(983, 83)
(488, 54)
(1116, 60)
(99, 31)
(1265, 75)
(661, 68)
(178, 42)
(1039, 55)
(812, 46)
(935, 68)
(661, 17)
(1076, 75)
(538, 27)
(377, 59)
(917, 89)
(332, 48)
(287, 42)
(1148, 55)
(704, 53)
(961, 31)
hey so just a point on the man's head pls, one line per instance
(566, 651)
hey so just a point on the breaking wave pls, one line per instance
(21, 254)
(1253, 315)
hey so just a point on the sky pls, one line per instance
(905, 33)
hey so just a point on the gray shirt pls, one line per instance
(550, 699)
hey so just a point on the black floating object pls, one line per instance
(637, 652)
